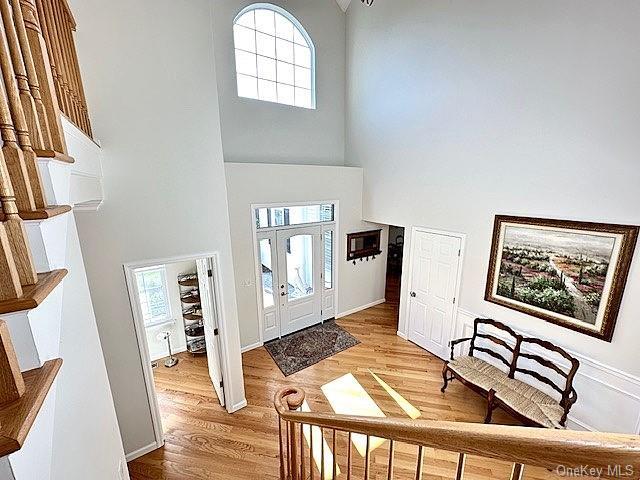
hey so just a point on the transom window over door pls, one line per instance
(275, 57)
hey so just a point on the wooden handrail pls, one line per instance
(520, 445)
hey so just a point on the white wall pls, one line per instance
(149, 74)
(249, 184)
(462, 110)
(158, 348)
(85, 436)
(255, 131)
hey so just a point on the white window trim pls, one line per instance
(163, 319)
(303, 32)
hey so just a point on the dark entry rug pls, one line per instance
(302, 349)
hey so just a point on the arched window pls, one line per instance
(275, 57)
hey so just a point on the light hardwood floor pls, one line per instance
(204, 442)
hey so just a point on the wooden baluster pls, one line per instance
(517, 472)
(391, 455)
(367, 456)
(63, 64)
(462, 458)
(322, 453)
(20, 125)
(10, 287)
(288, 433)
(73, 76)
(33, 17)
(64, 98)
(334, 456)
(311, 468)
(61, 25)
(13, 228)
(301, 453)
(13, 156)
(11, 381)
(420, 461)
(81, 93)
(28, 103)
(32, 75)
(282, 477)
(349, 457)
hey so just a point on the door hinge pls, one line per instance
(459, 252)
(209, 273)
(454, 300)
(221, 384)
(215, 331)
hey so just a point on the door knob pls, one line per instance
(283, 294)
(413, 294)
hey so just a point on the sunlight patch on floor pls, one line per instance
(347, 397)
(318, 442)
(402, 402)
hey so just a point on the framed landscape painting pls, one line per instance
(569, 273)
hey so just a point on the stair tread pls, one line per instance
(61, 157)
(45, 213)
(34, 295)
(16, 418)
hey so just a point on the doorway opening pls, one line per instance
(295, 266)
(394, 267)
(177, 317)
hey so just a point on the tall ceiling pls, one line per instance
(344, 4)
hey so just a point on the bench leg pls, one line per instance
(445, 369)
(490, 406)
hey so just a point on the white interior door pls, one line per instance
(210, 320)
(299, 289)
(432, 286)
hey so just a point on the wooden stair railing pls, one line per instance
(611, 455)
(30, 127)
(58, 25)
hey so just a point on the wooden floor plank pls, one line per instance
(204, 442)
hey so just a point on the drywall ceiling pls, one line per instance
(344, 4)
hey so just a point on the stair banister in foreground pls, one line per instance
(521, 446)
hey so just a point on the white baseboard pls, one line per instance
(253, 346)
(360, 308)
(238, 406)
(402, 334)
(142, 451)
(601, 388)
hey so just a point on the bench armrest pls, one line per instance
(453, 343)
(567, 404)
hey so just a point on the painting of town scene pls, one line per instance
(555, 273)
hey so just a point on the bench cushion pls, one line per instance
(517, 395)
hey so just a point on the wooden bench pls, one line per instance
(501, 388)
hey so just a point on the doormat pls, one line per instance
(307, 347)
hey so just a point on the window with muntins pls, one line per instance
(153, 295)
(275, 57)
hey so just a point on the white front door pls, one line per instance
(210, 321)
(432, 286)
(299, 287)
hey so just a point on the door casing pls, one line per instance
(143, 348)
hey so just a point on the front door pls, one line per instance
(299, 291)
(432, 287)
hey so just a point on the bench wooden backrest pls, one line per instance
(509, 334)
(564, 387)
